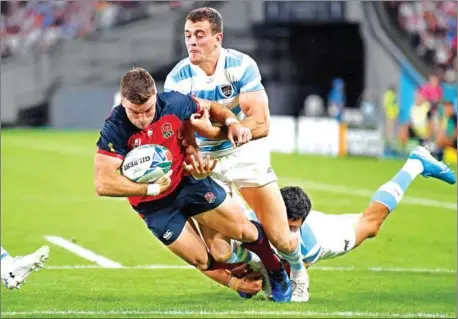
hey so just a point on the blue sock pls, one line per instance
(391, 193)
(4, 254)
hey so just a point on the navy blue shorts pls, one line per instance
(167, 216)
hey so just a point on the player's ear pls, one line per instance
(219, 38)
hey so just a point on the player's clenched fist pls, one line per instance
(249, 284)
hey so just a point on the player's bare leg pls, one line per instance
(267, 203)
(370, 222)
(230, 251)
(226, 250)
(229, 220)
(388, 196)
(190, 247)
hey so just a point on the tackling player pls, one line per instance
(15, 269)
(147, 117)
(325, 236)
(233, 79)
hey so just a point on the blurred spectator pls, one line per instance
(336, 99)
(416, 130)
(449, 89)
(442, 127)
(391, 108)
(313, 106)
(432, 90)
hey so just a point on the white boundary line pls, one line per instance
(232, 312)
(83, 252)
(313, 268)
(337, 189)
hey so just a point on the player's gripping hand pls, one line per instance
(199, 167)
(201, 123)
(237, 133)
(250, 283)
(164, 182)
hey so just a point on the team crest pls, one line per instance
(226, 89)
(210, 197)
(167, 130)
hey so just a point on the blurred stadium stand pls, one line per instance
(68, 57)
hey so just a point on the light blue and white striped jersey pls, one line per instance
(235, 73)
(310, 247)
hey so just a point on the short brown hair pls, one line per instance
(207, 14)
(137, 86)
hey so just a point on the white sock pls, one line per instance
(413, 167)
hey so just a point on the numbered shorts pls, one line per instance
(166, 217)
(248, 166)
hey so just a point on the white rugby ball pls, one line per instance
(146, 163)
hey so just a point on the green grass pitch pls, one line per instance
(409, 270)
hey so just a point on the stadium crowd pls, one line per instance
(28, 25)
(431, 29)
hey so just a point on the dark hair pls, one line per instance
(297, 202)
(137, 86)
(207, 14)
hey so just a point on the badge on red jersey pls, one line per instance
(167, 130)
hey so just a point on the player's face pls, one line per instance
(200, 41)
(295, 225)
(141, 115)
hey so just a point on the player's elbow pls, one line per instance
(101, 188)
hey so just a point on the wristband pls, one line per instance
(234, 283)
(230, 121)
(153, 190)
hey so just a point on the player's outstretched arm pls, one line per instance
(255, 105)
(108, 182)
(218, 113)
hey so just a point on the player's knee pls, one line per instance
(371, 228)
(282, 243)
(241, 231)
(200, 263)
(221, 252)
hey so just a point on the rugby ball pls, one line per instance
(146, 163)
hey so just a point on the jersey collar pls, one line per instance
(219, 65)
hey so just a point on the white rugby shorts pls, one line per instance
(248, 166)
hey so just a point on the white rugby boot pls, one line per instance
(14, 270)
(300, 283)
